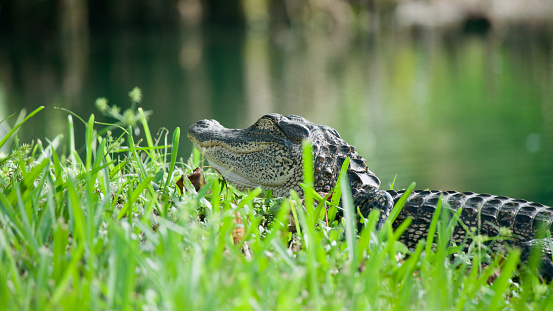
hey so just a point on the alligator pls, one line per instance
(269, 154)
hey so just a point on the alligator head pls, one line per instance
(269, 154)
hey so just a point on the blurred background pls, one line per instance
(452, 94)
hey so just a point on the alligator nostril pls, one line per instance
(203, 126)
(202, 123)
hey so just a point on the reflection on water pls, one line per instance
(445, 110)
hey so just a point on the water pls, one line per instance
(447, 110)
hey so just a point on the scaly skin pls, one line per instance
(481, 213)
(268, 154)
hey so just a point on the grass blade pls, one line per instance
(174, 153)
(133, 197)
(14, 129)
(400, 203)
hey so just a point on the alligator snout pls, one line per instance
(203, 127)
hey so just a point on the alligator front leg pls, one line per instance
(369, 198)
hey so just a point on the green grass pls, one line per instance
(113, 232)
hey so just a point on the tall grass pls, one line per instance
(112, 231)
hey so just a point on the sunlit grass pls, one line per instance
(114, 232)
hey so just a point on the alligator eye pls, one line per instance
(296, 132)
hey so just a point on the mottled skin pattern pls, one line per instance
(268, 153)
(481, 213)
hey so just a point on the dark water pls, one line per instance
(449, 111)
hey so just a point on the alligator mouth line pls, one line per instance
(217, 144)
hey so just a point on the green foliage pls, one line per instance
(129, 116)
(106, 234)
(14, 129)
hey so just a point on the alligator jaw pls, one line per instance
(240, 182)
(212, 148)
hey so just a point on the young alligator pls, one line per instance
(269, 153)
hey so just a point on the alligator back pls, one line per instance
(483, 213)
